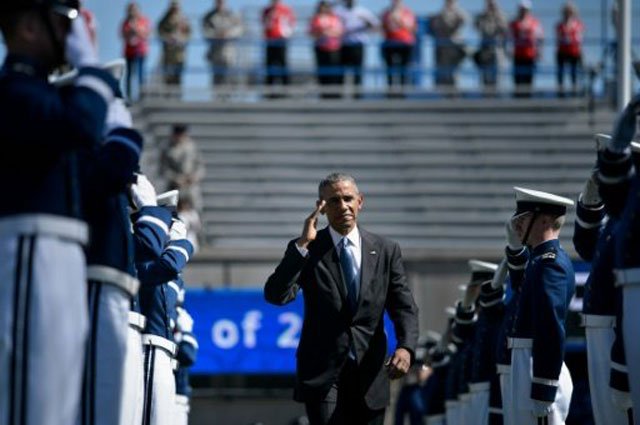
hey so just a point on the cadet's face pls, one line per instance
(343, 203)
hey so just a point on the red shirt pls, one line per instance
(569, 37)
(278, 21)
(327, 30)
(526, 34)
(136, 36)
(399, 25)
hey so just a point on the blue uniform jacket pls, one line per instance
(490, 317)
(108, 171)
(547, 290)
(157, 301)
(516, 262)
(42, 128)
(187, 355)
(462, 335)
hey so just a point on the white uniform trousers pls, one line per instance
(631, 334)
(133, 382)
(521, 374)
(436, 420)
(182, 410)
(110, 293)
(600, 335)
(451, 412)
(504, 371)
(479, 410)
(464, 409)
(159, 381)
(43, 323)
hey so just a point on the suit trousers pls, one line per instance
(344, 403)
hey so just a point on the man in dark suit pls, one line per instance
(349, 277)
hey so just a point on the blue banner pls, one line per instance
(240, 333)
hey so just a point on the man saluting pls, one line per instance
(349, 277)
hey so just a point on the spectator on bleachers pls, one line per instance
(399, 25)
(446, 27)
(181, 165)
(278, 21)
(493, 27)
(221, 27)
(135, 31)
(569, 35)
(358, 21)
(526, 33)
(326, 29)
(175, 31)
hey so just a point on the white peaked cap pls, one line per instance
(168, 199)
(115, 67)
(635, 147)
(602, 140)
(482, 266)
(529, 200)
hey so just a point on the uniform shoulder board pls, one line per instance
(548, 256)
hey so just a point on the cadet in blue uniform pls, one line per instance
(484, 381)
(462, 334)
(597, 218)
(627, 249)
(186, 357)
(541, 383)
(151, 223)
(110, 269)
(157, 305)
(439, 360)
(43, 270)
(516, 256)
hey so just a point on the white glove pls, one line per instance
(500, 275)
(143, 193)
(621, 399)
(185, 321)
(178, 230)
(541, 409)
(118, 116)
(80, 51)
(590, 197)
(513, 240)
(471, 294)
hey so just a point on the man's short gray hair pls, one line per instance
(334, 178)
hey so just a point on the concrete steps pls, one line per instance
(437, 175)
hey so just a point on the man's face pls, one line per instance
(343, 203)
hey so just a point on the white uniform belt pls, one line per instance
(495, 410)
(503, 369)
(451, 404)
(627, 276)
(464, 397)
(137, 321)
(114, 277)
(435, 419)
(477, 387)
(160, 342)
(520, 343)
(182, 399)
(45, 224)
(598, 321)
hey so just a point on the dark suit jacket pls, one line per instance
(329, 322)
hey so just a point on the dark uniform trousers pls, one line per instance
(344, 403)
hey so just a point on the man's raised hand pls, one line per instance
(309, 231)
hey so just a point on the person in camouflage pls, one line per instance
(174, 31)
